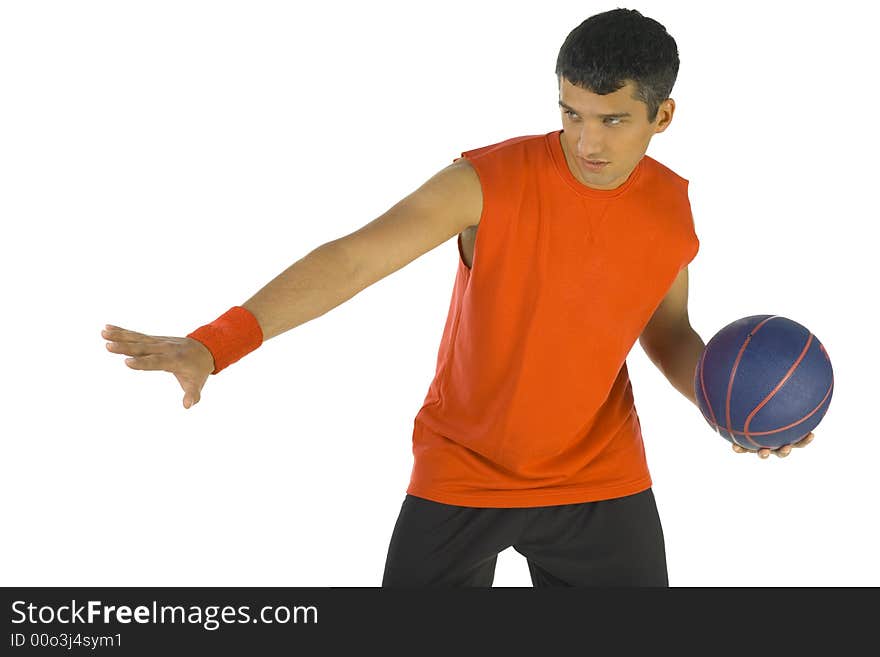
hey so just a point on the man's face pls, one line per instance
(619, 140)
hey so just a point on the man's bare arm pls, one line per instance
(334, 272)
(307, 289)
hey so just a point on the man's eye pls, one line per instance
(572, 115)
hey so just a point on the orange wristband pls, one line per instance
(230, 337)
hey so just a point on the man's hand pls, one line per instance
(187, 359)
(785, 450)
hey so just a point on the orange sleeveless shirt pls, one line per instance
(531, 403)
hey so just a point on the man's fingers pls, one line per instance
(123, 335)
(118, 330)
(763, 453)
(131, 348)
(149, 362)
(783, 451)
(806, 440)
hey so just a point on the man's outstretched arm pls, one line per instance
(327, 276)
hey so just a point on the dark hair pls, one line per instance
(609, 49)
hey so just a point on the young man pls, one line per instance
(572, 244)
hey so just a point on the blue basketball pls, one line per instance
(764, 381)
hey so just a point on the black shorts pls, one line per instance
(616, 542)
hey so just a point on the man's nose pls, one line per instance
(590, 149)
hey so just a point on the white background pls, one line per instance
(162, 161)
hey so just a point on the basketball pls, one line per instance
(764, 381)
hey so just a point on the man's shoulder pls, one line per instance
(663, 172)
(507, 145)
